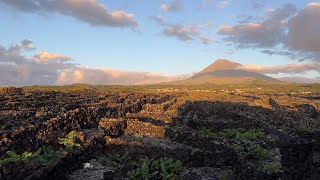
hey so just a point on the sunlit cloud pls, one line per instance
(88, 11)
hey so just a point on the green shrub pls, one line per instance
(250, 134)
(45, 155)
(257, 152)
(238, 134)
(13, 157)
(272, 168)
(206, 132)
(116, 162)
(164, 168)
(70, 141)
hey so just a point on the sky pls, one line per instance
(57, 42)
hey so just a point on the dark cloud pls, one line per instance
(89, 11)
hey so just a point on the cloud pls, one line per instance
(284, 31)
(186, 33)
(18, 70)
(300, 79)
(107, 76)
(174, 6)
(89, 11)
(190, 32)
(266, 34)
(45, 68)
(45, 57)
(223, 4)
(288, 69)
(304, 28)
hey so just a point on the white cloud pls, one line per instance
(288, 69)
(300, 79)
(45, 57)
(89, 11)
(108, 76)
(51, 69)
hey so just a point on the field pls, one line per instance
(261, 131)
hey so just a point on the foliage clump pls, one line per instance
(240, 133)
(272, 168)
(237, 134)
(116, 162)
(164, 168)
(256, 152)
(70, 141)
(44, 155)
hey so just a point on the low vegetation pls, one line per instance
(115, 163)
(70, 141)
(272, 168)
(237, 134)
(164, 168)
(44, 155)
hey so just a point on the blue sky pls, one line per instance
(146, 47)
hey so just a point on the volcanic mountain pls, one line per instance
(226, 72)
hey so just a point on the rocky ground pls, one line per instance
(159, 135)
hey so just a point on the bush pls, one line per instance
(206, 132)
(45, 155)
(164, 168)
(257, 152)
(116, 162)
(272, 168)
(70, 141)
(250, 134)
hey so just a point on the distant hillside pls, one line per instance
(223, 71)
(219, 65)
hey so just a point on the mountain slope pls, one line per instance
(219, 65)
(226, 72)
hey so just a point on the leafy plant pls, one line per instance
(116, 162)
(48, 154)
(13, 157)
(206, 132)
(258, 152)
(70, 141)
(164, 168)
(272, 168)
(45, 155)
(241, 133)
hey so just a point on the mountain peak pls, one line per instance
(220, 65)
